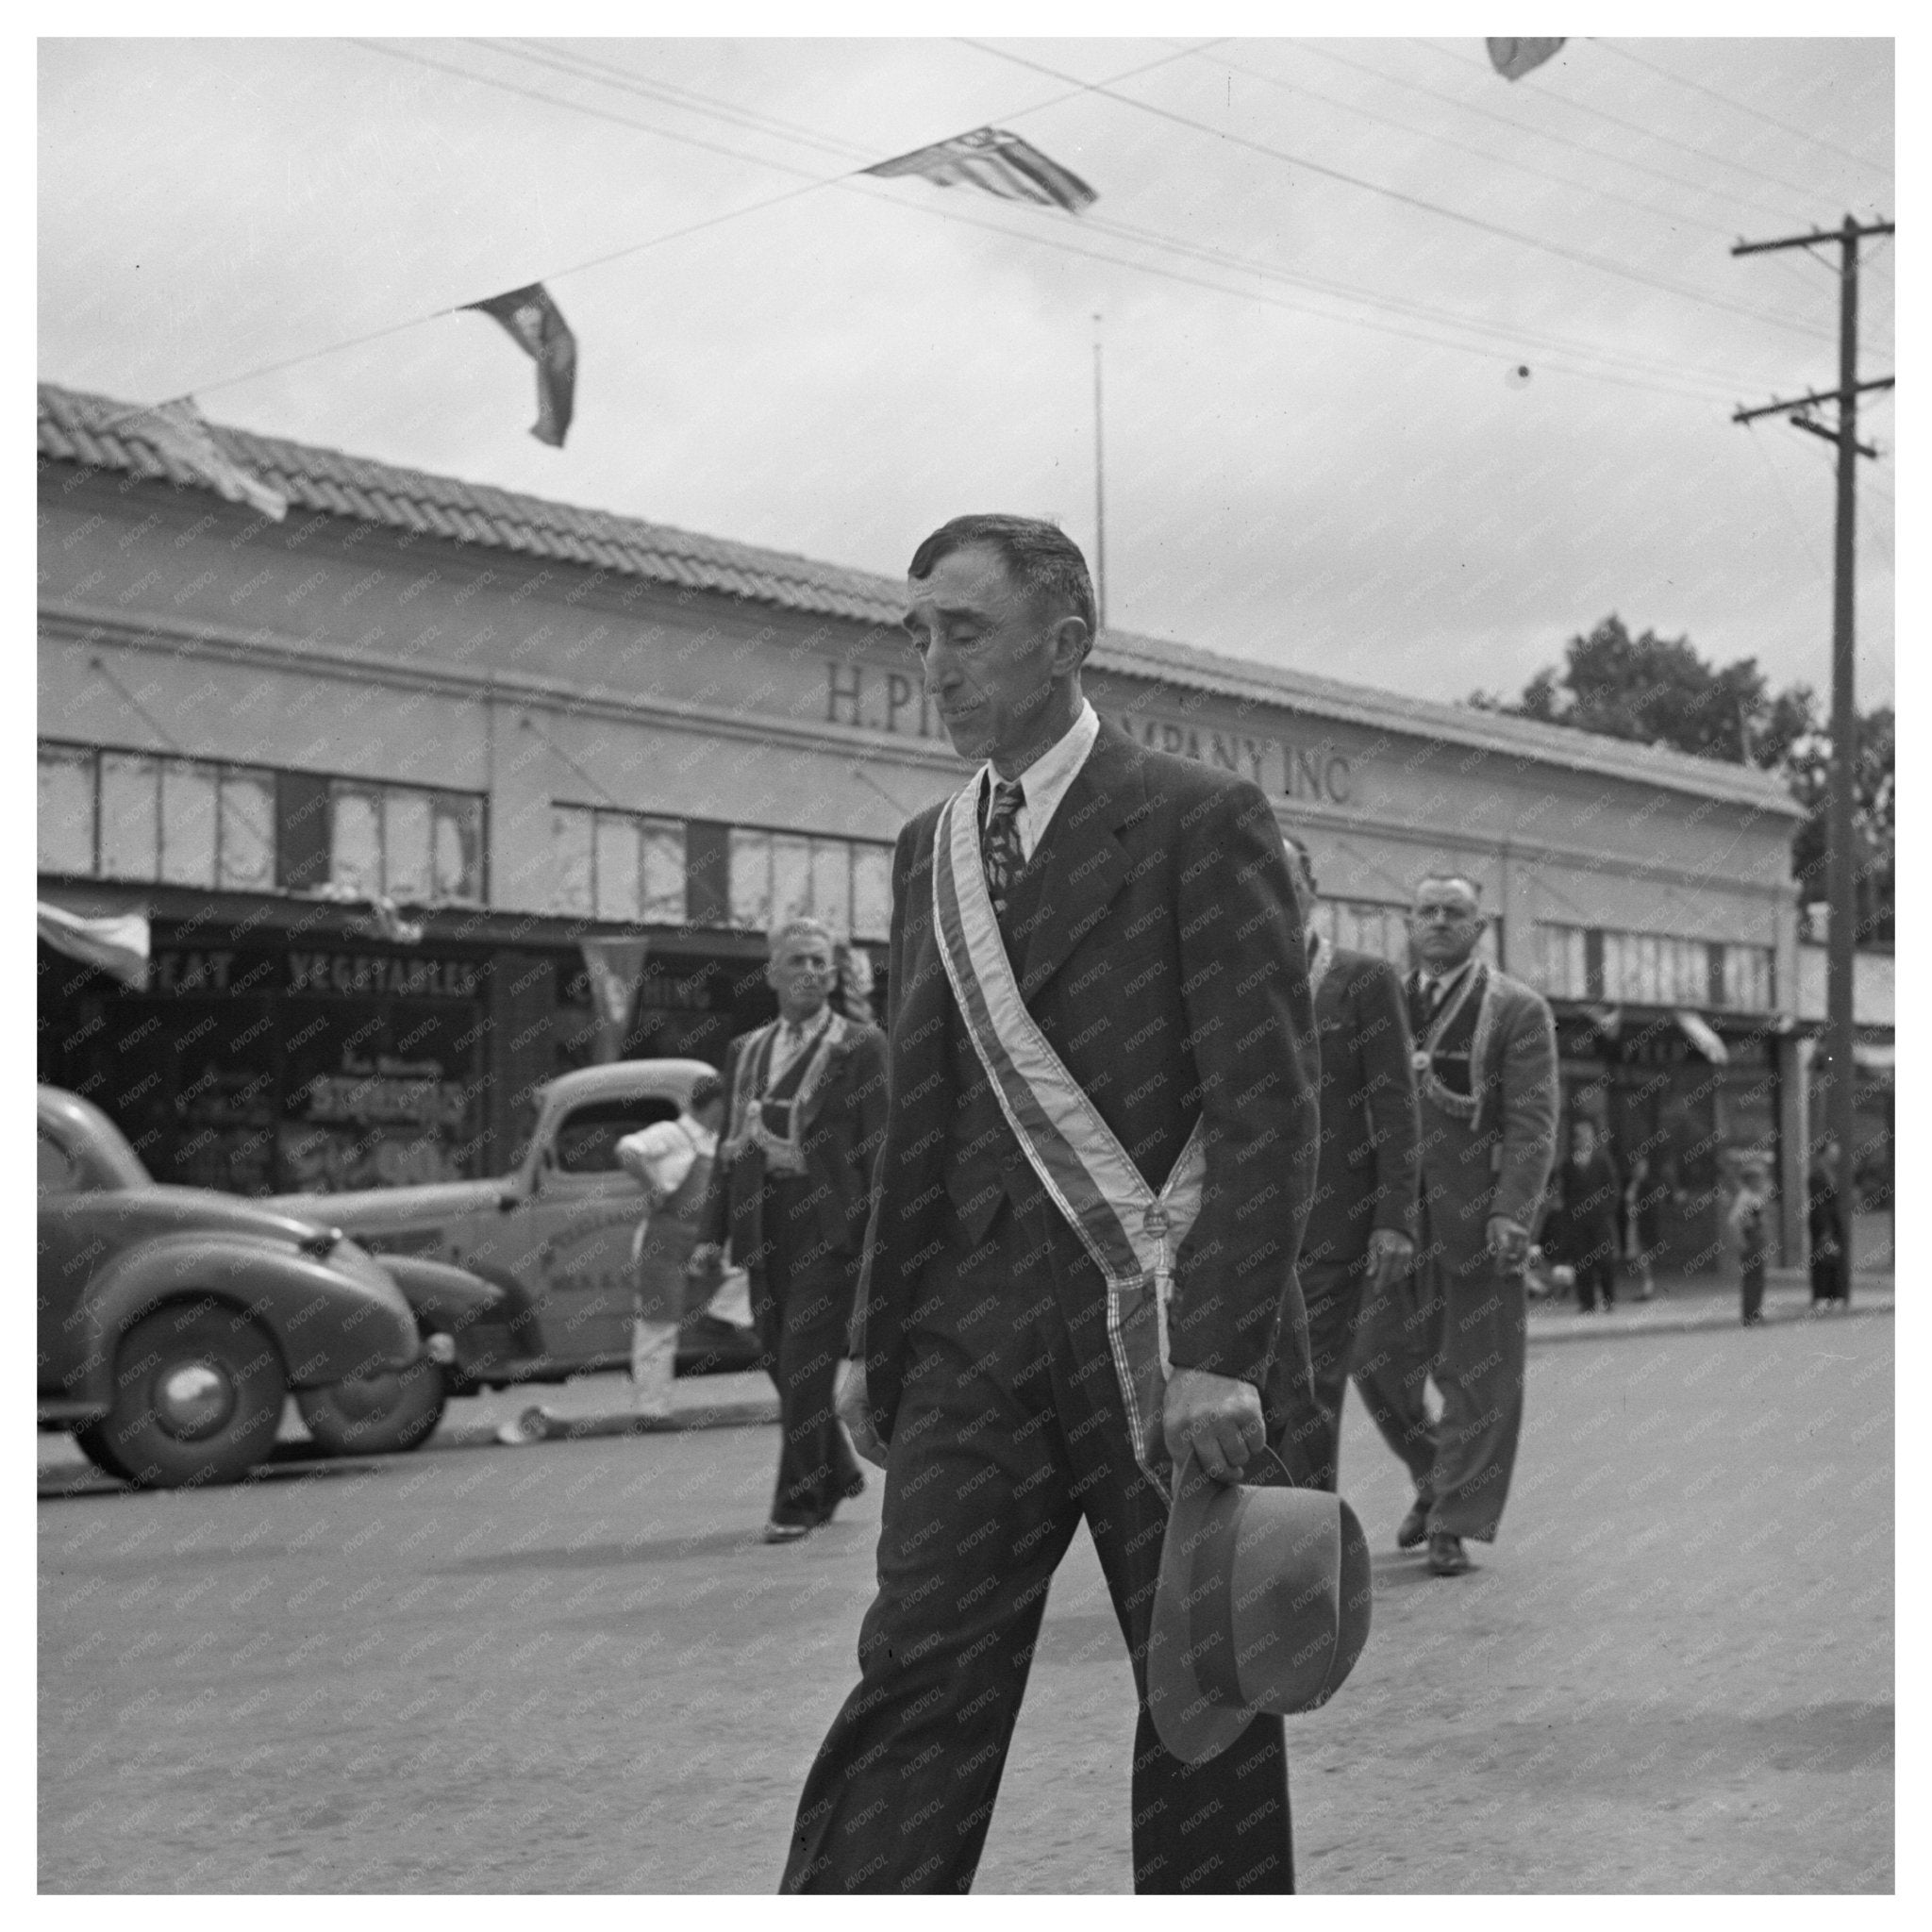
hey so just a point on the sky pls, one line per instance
(1318, 450)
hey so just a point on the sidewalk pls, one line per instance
(1686, 1304)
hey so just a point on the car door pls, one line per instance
(570, 1241)
(63, 1262)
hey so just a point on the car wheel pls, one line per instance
(376, 1415)
(197, 1399)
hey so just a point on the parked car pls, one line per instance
(554, 1234)
(173, 1322)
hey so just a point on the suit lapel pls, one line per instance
(1080, 864)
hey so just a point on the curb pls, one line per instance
(1704, 1320)
(558, 1428)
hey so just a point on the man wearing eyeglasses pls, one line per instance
(1484, 1059)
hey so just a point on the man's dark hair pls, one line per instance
(704, 1090)
(1039, 556)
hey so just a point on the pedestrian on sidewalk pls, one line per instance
(1581, 1231)
(1748, 1221)
(1642, 1195)
(791, 1191)
(1486, 1065)
(1361, 1228)
(673, 1159)
(1824, 1222)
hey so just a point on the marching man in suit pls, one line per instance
(1096, 1173)
(1361, 1231)
(1486, 1063)
(791, 1188)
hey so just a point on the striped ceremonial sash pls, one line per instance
(1132, 1233)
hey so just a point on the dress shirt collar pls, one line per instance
(1436, 986)
(1046, 779)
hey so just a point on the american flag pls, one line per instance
(1001, 163)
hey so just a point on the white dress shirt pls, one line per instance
(793, 1040)
(1437, 987)
(662, 1155)
(1045, 781)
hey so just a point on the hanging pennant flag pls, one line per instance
(535, 324)
(1512, 59)
(178, 429)
(1001, 163)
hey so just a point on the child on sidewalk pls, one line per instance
(1748, 1221)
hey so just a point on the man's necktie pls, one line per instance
(999, 842)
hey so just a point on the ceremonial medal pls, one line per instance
(1419, 1060)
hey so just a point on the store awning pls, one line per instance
(1703, 1035)
(116, 943)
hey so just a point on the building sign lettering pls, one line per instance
(895, 702)
(370, 974)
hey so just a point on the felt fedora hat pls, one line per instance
(1262, 1606)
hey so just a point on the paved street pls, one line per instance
(572, 1667)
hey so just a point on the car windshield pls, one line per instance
(587, 1140)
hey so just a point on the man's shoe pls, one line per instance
(533, 1425)
(1447, 1558)
(1413, 1527)
(787, 1532)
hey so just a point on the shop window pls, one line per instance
(618, 866)
(189, 823)
(356, 840)
(1747, 987)
(790, 878)
(618, 861)
(1563, 967)
(572, 865)
(832, 883)
(457, 847)
(871, 892)
(246, 861)
(65, 824)
(405, 846)
(751, 880)
(130, 816)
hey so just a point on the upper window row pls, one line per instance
(242, 829)
(1653, 969)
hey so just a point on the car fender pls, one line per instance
(327, 1324)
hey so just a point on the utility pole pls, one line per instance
(1099, 494)
(1842, 933)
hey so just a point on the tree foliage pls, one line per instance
(1659, 691)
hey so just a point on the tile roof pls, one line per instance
(75, 427)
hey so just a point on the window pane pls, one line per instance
(248, 832)
(406, 844)
(832, 884)
(130, 816)
(872, 892)
(616, 868)
(569, 855)
(790, 878)
(188, 825)
(663, 871)
(66, 824)
(751, 880)
(457, 860)
(356, 840)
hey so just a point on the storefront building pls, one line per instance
(376, 774)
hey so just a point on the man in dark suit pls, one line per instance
(1098, 992)
(1486, 1067)
(1361, 1230)
(791, 1188)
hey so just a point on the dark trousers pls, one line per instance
(801, 1299)
(1332, 1291)
(1751, 1284)
(1458, 1320)
(1009, 1431)
(1596, 1274)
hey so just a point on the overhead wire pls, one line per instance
(1743, 107)
(1603, 264)
(1703, 154)
(1721, 382)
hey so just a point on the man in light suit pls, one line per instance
(1486, 1064)
(1361, 1231)
(1125, 918)
(792, 1189)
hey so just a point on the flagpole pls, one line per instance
(1099, 492)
